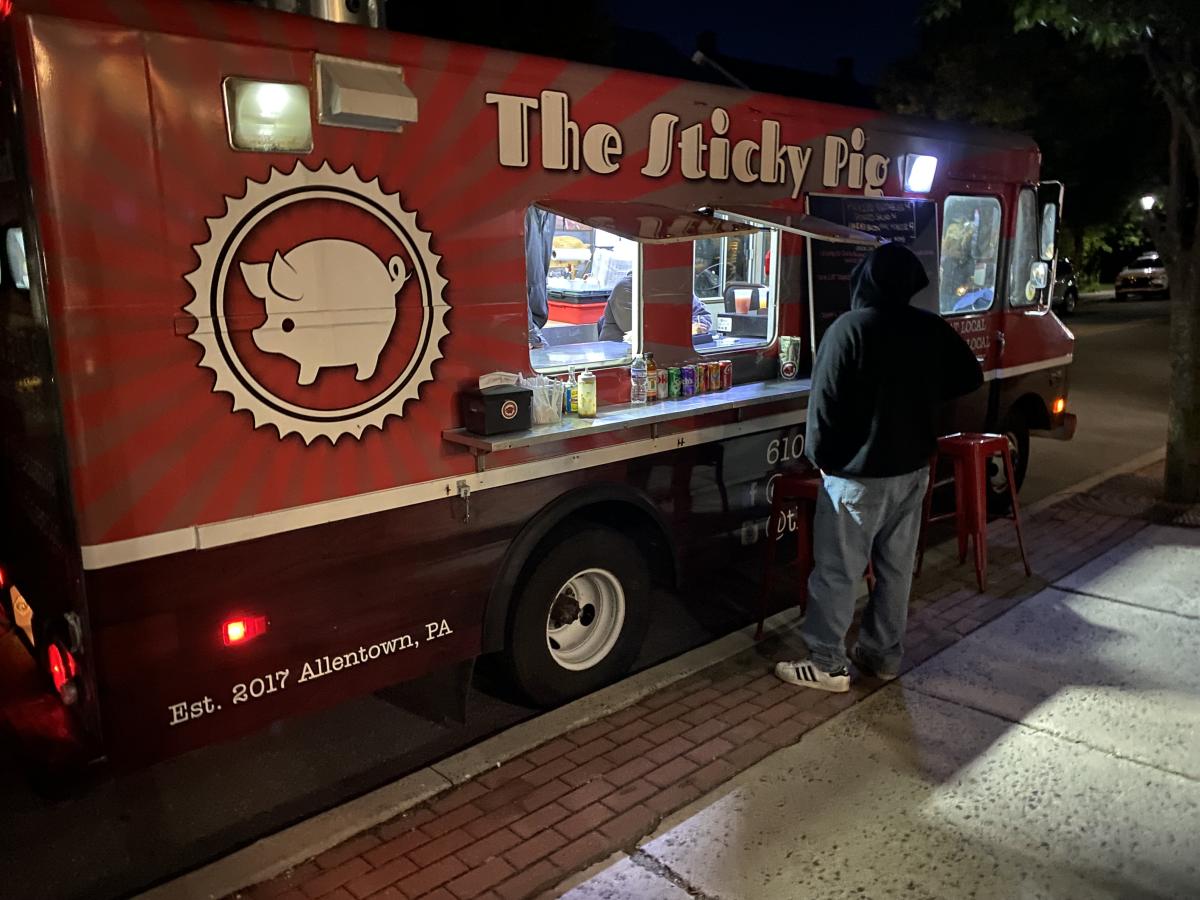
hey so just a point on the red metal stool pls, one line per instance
(800, 490)
(970, 454)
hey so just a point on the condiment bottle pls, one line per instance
(651, 378)
(587, 395)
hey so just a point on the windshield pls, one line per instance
(1147, 261)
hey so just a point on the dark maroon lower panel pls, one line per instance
(357, 605)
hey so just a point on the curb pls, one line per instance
(285, 849)
(1082, 487)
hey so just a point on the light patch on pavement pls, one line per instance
(1158, 568)
(626, 880)
(907, 795)
(1115, 677)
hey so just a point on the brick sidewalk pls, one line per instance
(526, 826)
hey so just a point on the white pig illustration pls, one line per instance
(329, 303)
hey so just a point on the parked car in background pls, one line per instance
(1146, 276)
(1066, 290)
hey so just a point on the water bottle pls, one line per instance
(571, 393)
(637, 381)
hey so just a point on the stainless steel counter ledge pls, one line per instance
(625, 415)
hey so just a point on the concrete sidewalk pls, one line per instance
(1054, 752)
(1034, 752)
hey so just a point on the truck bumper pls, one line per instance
(1063, 431)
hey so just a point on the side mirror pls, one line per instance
(1039, 275)
(1049, 228)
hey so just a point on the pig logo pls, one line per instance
(327, 324)
(329, 303)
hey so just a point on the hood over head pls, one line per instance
(889, 277)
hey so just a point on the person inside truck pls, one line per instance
(968, 259)
(539, 248)
(617, 321)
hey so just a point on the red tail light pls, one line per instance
(63, 670)
(242, 629)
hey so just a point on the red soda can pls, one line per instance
(726, 374)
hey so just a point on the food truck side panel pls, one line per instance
(192, 420)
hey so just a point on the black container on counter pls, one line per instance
(496, 410)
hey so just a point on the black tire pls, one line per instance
(1016, 428)
(536, 669)
(1070, 301)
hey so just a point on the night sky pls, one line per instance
(802, 35)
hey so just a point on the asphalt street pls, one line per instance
(181, 813)
(1118, 390)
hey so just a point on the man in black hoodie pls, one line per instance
(882, 373)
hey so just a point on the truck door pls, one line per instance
(1031, 338)
(970, 251)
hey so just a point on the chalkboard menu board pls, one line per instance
(910, 222)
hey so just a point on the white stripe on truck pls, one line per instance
(1016, 371)
(248, 528)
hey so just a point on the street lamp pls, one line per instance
(1148, 202)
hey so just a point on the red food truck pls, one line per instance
(253, 259)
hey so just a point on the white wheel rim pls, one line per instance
(999, 478)
(585, 620)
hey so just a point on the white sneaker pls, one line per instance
(805, 673)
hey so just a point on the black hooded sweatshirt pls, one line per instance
(882, 373)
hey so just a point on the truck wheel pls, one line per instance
(1016, 429)
(580, 616)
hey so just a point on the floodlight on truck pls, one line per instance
(918, 173)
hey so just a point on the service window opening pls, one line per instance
(583, 295)
(733, 291)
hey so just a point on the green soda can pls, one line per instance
(675, 382)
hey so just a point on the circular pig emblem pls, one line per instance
(508, 409)
(789, 370)
(318, 303)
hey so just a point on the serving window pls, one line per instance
(584, 266)
(733, 291)
(572, 321)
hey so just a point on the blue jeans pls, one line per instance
(859, 519)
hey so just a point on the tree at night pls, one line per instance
(1164, 37)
